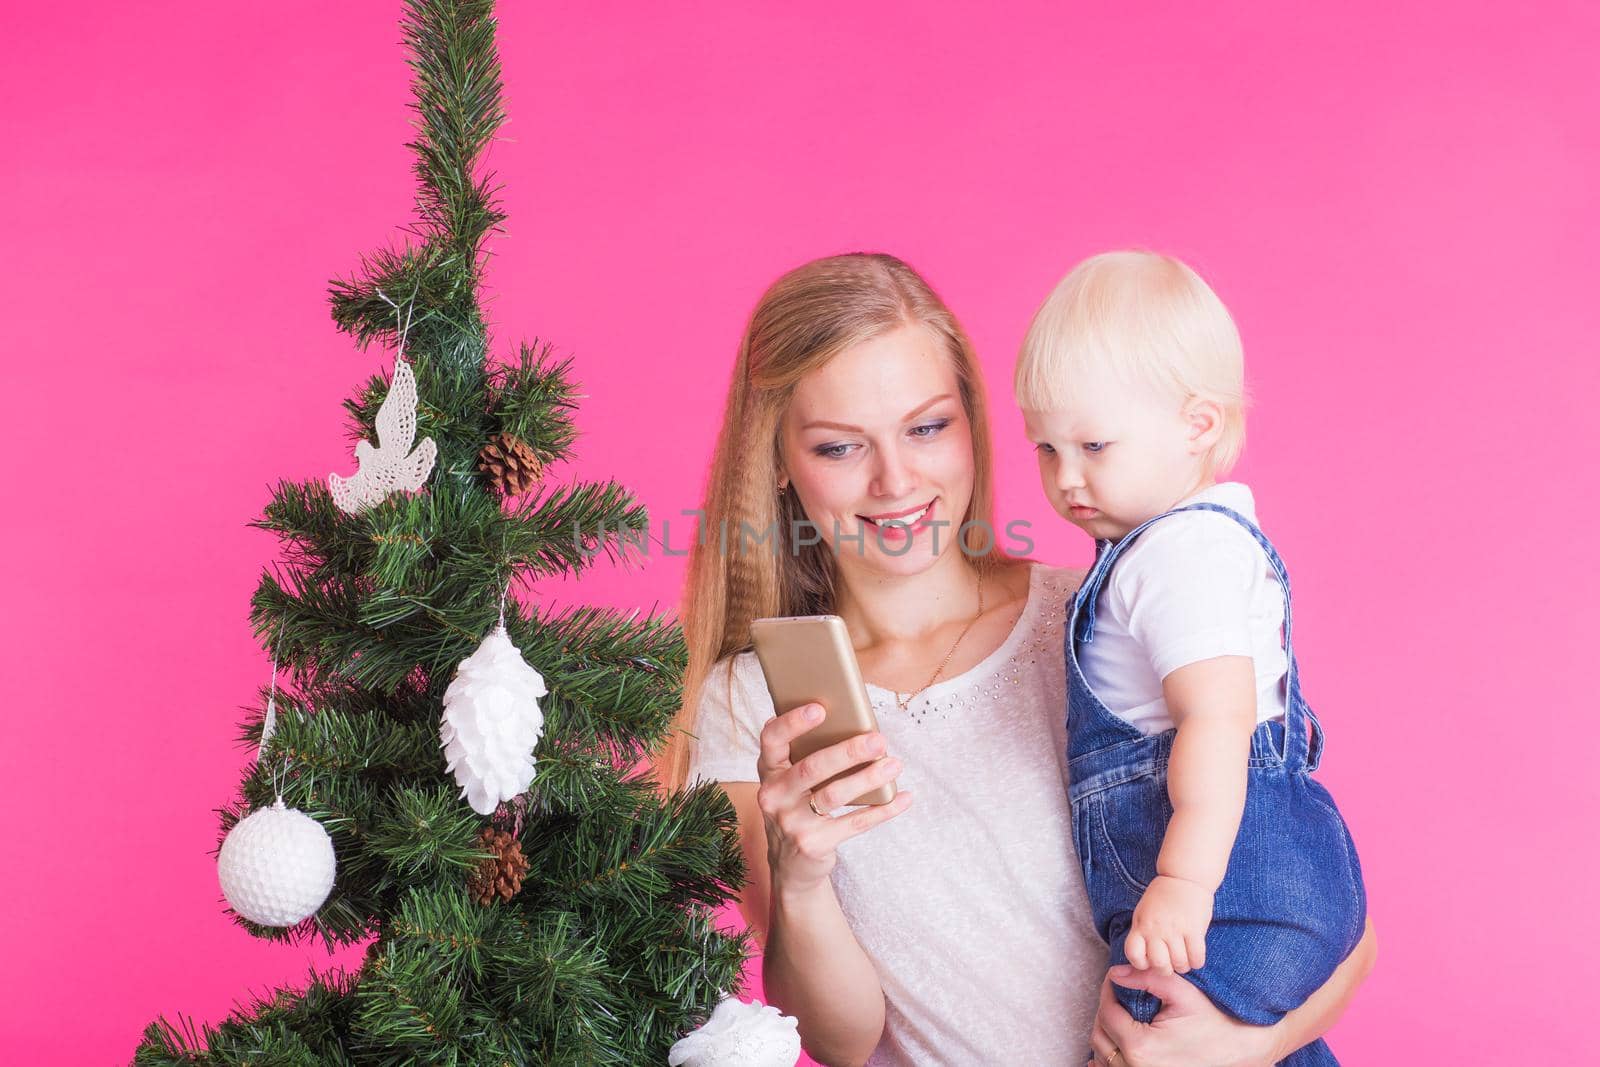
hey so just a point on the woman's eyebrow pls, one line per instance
(913, 413)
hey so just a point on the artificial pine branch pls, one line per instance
(534, 400)
(399, 543)
(561, 529)
(457, 88)
(426, 832)
(283, 1027)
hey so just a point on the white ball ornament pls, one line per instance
(492, 723)
(740, 1034)
(276, 866)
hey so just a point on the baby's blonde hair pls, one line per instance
(1147, 319)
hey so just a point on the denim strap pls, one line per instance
(1299, 749)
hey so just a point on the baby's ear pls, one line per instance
(1206, 420)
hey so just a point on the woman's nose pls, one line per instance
(892, 478)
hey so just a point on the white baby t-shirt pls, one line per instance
(1192, 587)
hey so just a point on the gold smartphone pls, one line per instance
(808, 659)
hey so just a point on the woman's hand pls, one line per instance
(800, 843)
(1188, 1030)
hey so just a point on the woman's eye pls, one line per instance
(928, 429)
(833, 451)
(1095, 446)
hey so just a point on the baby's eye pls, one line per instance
(1095, 446)
(1047, 449)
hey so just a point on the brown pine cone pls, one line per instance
(498, 875)
(510, 464)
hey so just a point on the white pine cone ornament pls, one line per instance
(492, 723)
(740, 1034)
(276, 866)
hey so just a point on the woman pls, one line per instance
(950, 926)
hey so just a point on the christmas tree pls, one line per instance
(571, 923)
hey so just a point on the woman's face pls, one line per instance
(877, 445)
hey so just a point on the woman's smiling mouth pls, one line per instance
(892, 519)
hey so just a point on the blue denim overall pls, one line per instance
(1291, 906)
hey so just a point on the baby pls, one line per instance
(1206, 846)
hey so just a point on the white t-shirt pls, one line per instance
(971, 904)
(1192, 587)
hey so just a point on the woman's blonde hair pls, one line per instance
(1149, 320)
(807, 317)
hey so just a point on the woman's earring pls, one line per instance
(782, 487)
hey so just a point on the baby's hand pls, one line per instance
(1169, 926)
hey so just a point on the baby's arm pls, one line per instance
(1213, 703)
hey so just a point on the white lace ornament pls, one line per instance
(492, 723)
(276, 866)
(740, 1034)
(394, 465)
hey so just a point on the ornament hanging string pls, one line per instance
(405, 327)
(278, 775)
(269, 722)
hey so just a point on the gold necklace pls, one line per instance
(904, 704)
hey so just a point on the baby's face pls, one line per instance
(1118, 455)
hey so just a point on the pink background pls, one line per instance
(1399, 206)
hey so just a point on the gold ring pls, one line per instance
(812, 804)
(1116, 1054)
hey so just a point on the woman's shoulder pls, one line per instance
(1039, 607)
(731, 708)
(1050, 579)
(731, 684)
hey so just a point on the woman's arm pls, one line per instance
(1189, 1029)
(1322, 1009)
(813, 967)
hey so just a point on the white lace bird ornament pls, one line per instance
(394, 464)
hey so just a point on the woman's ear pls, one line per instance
(1206, 420)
